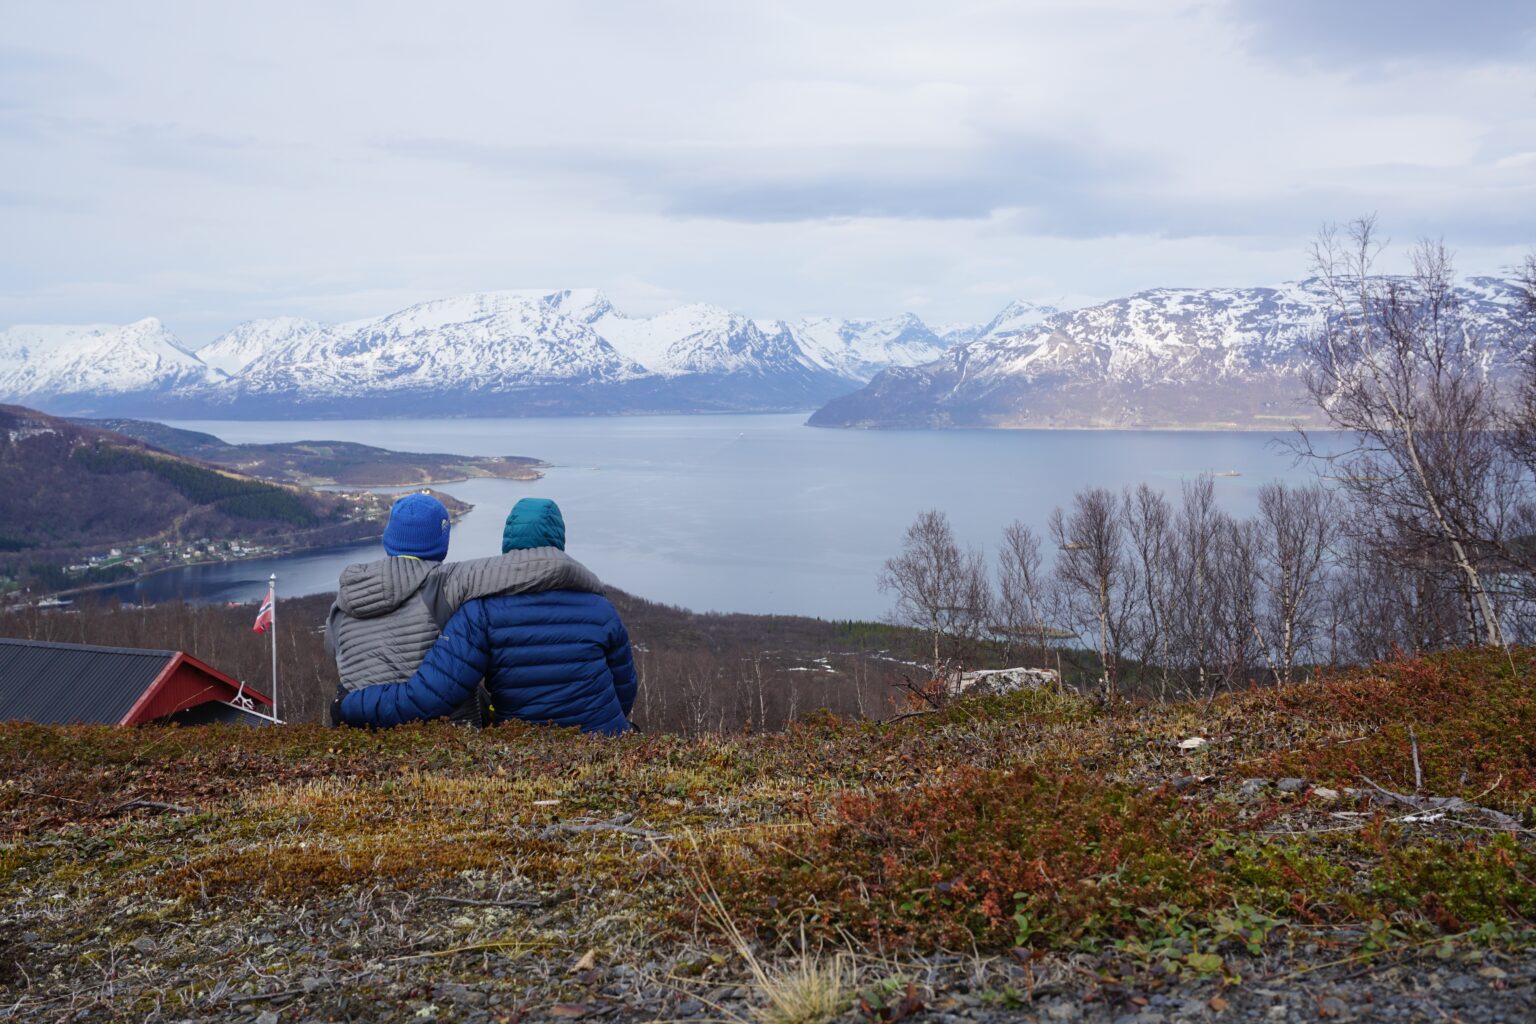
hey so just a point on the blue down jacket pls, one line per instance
(560, 657)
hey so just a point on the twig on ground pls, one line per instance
(620, 824)
(150, 805)
(1418, 771)
(1446, 803)
(259, 997)
(460, 901)
(51, 796)
(603, 826)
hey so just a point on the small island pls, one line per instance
(324, 463)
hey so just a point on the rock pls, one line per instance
(1193, 743)
(690, 1008)
(267, 1017)
(1253, 788)
(144, 944)
(1063, 1011)
(1325, 794)
(1333, 1008)
(464, 995)
(1292, 785)
(1463, 983)
(1494, 973)
(312, 984)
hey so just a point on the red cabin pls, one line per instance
(63, 684)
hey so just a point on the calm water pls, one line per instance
(749, 513)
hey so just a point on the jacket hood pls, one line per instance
(370, 589)
(533, 523)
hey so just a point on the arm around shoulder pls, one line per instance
(445, 679)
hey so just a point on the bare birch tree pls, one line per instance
(1398, 367)
(1021, 590)
(1148, 525)
(1299, 526)
(939, 589)
(1198, 531)
(1097, 578)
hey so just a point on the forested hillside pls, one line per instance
(111, 507)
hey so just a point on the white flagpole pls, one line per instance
(272, 628)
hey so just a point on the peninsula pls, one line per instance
(323, 463)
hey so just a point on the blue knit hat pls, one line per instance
(533, 523)
(418, 526)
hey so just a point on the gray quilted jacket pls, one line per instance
(388, 613)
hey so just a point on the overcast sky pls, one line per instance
(210, 163)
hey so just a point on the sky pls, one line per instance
(215, 163)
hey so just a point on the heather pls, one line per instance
(1041, 838)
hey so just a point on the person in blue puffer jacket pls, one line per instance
(558, 657)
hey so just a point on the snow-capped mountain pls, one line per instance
(490, 353)
(859, 349)
(449, 355)
(242, 346)
(96, 367)
(1166, 358)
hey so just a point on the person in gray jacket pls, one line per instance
(389, 612)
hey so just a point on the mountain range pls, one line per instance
(491, 353)
(1181, 358)
(1168, 358)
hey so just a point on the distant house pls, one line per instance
(60, 684)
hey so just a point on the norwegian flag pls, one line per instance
(264, 616)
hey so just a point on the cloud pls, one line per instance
(1359, 35)
(808, 183)
(223, 162)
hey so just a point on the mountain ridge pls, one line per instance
(1164, 358)
(512, 352)
(1175, 358)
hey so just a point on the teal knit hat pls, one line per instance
(533, 523)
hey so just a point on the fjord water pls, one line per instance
(749, 513)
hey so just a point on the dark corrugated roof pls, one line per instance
(62, 683)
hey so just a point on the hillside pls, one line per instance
(1034, 856)
(322, 463)
(81, 505)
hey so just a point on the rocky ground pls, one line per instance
(1034, 857)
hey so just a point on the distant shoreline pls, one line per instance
(162, 570)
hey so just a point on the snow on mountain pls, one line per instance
(1017, 318)
(234, 351)
(958, 334)
(502, 352)
(72, 366)
(859, 349)
(486, 342)
(1169, 357)
(703, 339)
